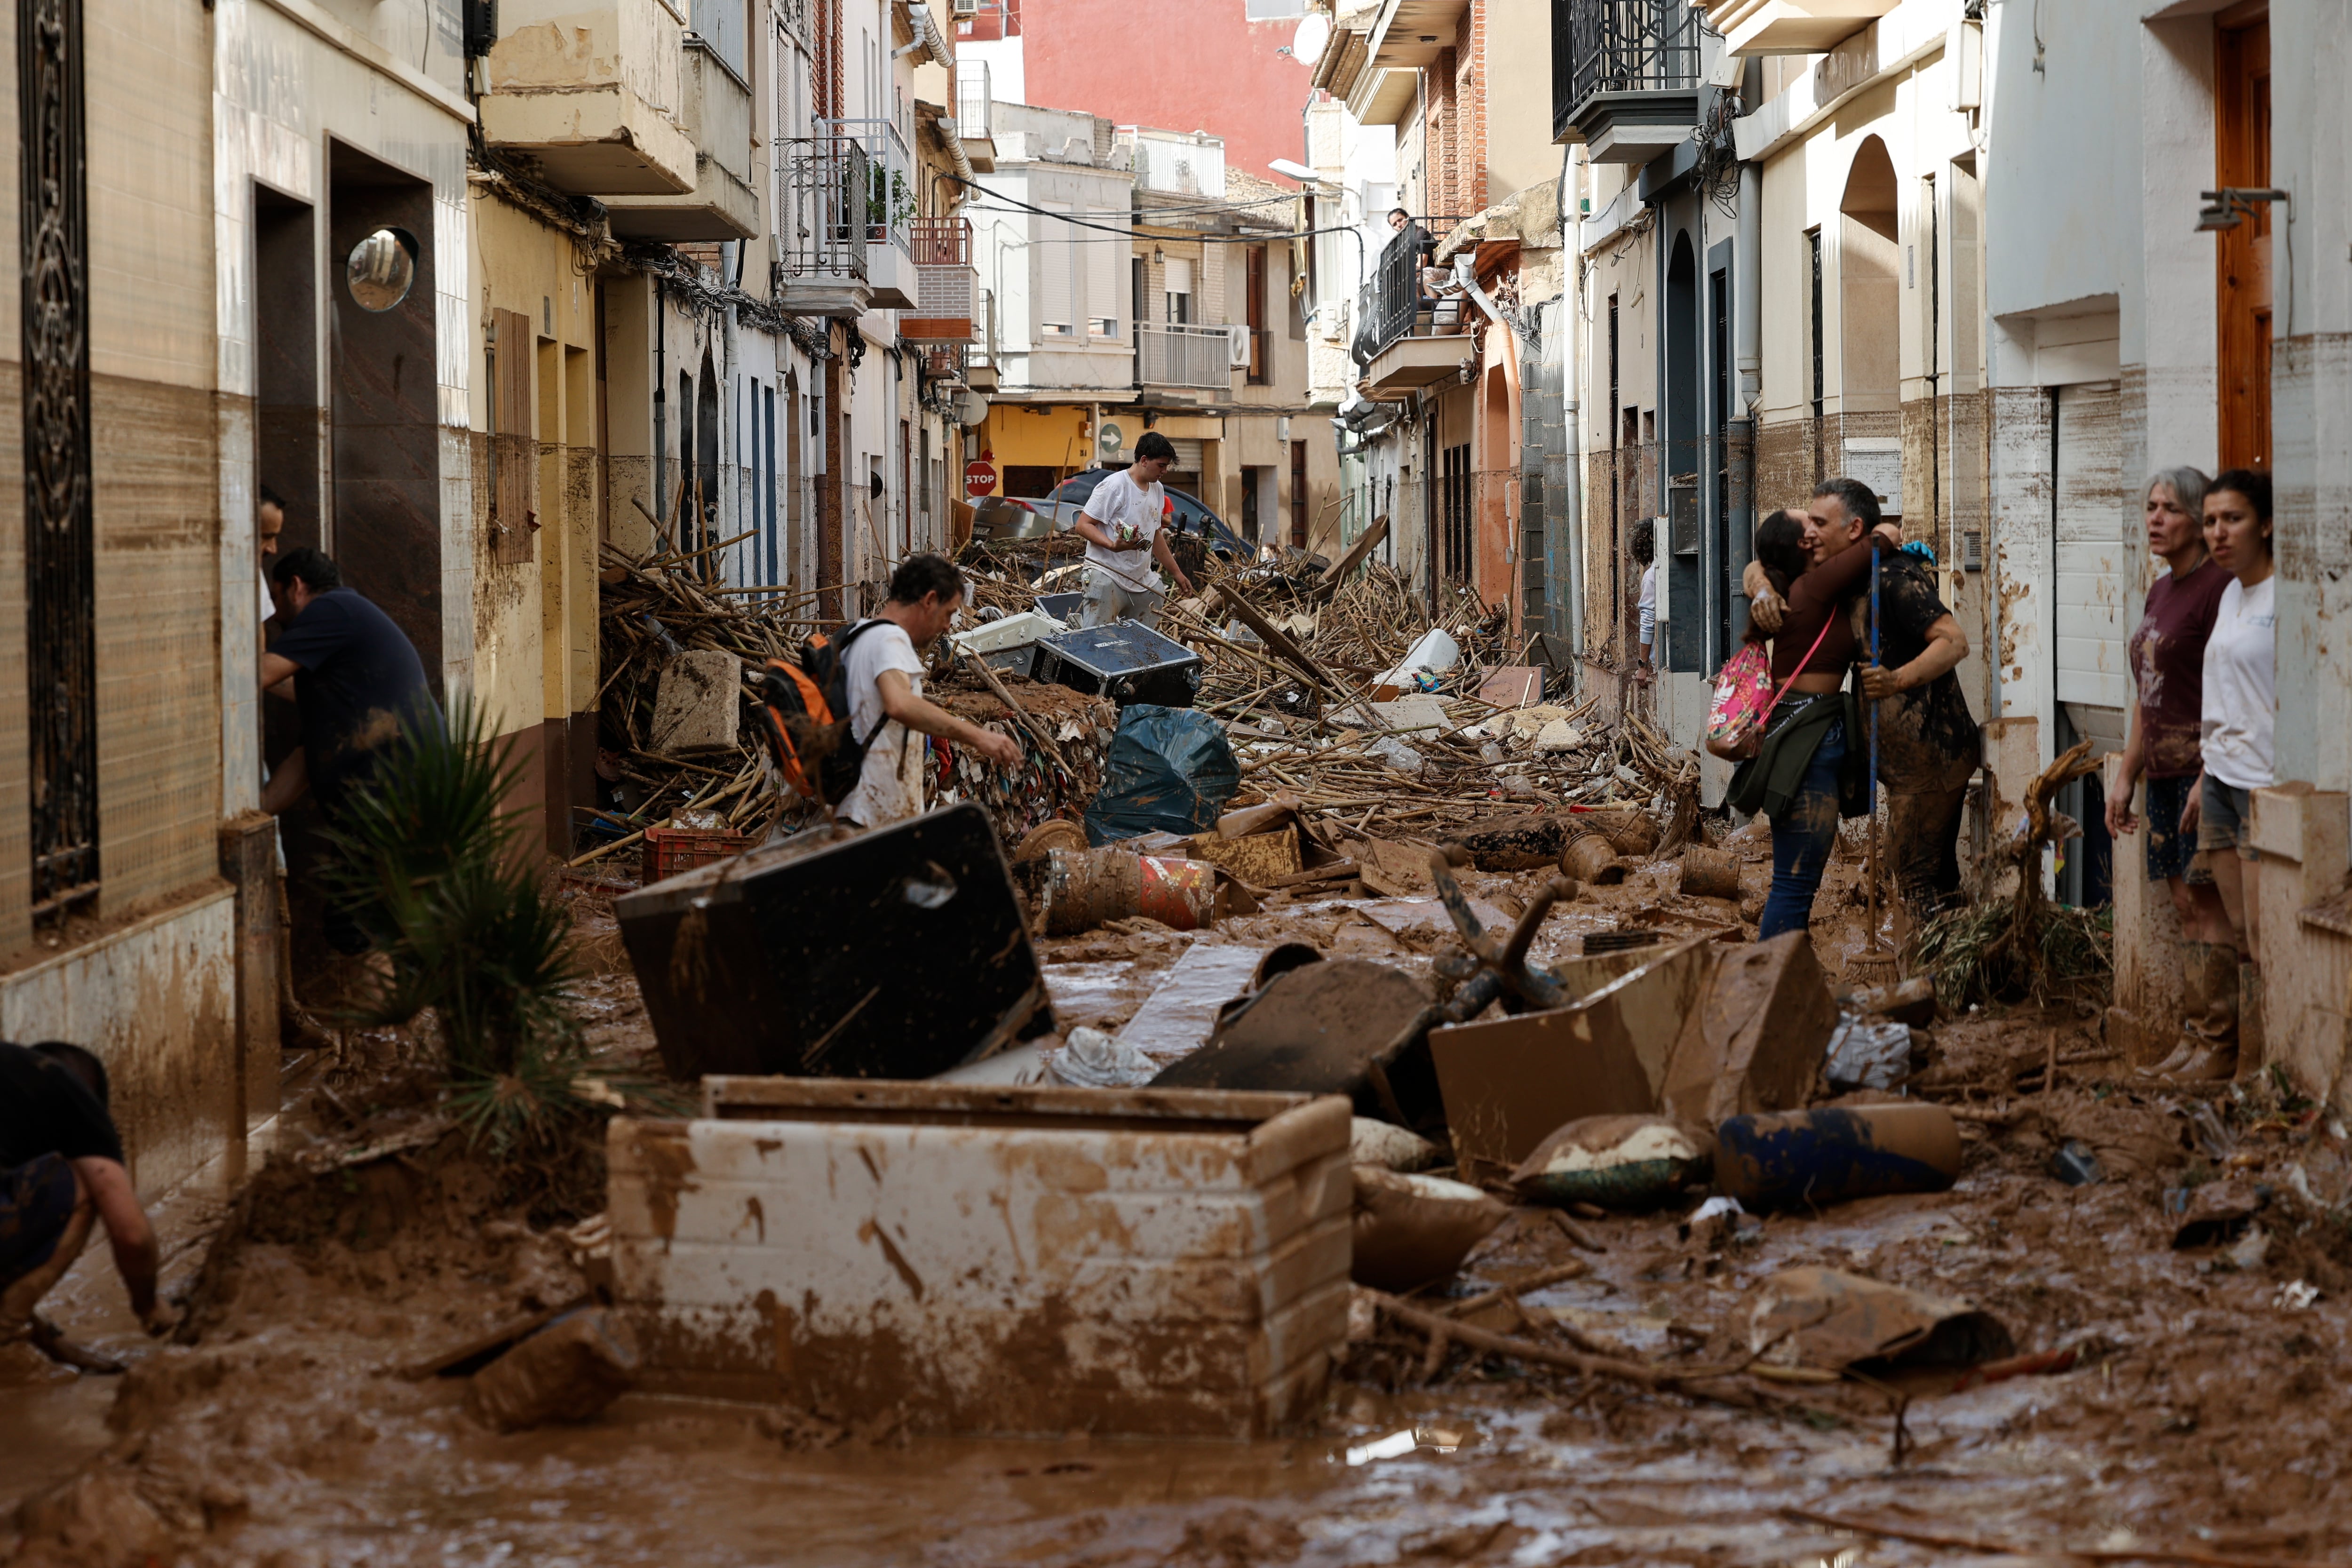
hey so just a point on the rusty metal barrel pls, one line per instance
(1710, 873)
(1088, 887)
(1591, 859)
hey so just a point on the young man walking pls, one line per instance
(1122, 528)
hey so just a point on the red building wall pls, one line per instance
(1200, 64)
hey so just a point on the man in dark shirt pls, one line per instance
(61, 1171)
(1929, 744)
(357, 681)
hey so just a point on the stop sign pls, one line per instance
(978, 477)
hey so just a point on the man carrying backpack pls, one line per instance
(882, 660)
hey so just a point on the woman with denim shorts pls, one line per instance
(2240, 714)
(2165, 745)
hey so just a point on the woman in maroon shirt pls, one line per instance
(2168, 670)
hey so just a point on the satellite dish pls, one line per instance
(1314, 33)
(972, 409)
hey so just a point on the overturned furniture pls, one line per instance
(899, 953)
(991, 1260)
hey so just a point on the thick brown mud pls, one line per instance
(2202, 1410)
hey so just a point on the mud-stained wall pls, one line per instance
(534, 596)
(155, 999)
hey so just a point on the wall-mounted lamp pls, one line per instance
(1467, 370)
(2231, 205)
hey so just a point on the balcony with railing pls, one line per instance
(947, 289)
(588, 92)
(715, 108)
(821, 243)
(890, 202)
(1625, 76)
(975, 114)
(1176, 355)
(1414, 319)
(980, 364)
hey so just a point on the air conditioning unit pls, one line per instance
(967, 7)
(1238, 341)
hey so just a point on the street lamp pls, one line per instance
(2231, 205)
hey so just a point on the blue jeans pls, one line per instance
(1803, 837)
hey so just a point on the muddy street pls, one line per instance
(2191, 1411)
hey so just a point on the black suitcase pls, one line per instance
(896, 953)
(1126, 662)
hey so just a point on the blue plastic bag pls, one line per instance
(1170, 770)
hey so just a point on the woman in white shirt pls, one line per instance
(2240, 720)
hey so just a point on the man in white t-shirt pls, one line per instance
(884, 667)
(1121, 526)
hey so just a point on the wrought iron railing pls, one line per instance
(1399, 303)
(1619, 46)
(1177, 355)
(890, 192)
(828, 184)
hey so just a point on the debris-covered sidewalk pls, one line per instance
(1337, 1114)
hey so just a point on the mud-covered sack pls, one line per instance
(1413, 1229)
(1617, 1161)
(568, 1371)
(1389, 1146)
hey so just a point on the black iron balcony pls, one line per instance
(1404, 303)
(1625, 76)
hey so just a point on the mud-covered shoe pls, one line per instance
(2188, 1046)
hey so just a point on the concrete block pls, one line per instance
(699, 705)
(1002, 1260)
(2149, 963)
(1754, 1041)
(2307, 981)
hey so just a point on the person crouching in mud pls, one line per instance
(61, 1173)
(1807, 773)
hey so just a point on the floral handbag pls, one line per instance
(1745, 698)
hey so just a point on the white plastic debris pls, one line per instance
(1713, 1207)
(2295, 1295)
(1867, 1055)
(1091, 1060)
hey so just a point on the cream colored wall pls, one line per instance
(535, 620)
(1519, 150)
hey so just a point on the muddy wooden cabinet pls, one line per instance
(1156, 1262)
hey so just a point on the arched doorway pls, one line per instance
(1869, 255)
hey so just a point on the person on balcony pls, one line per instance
(1122, 525)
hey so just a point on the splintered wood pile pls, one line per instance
(648, 611)
(1049, 784)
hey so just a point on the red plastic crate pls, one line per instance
(670, 850)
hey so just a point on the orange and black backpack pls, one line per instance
(803, 711)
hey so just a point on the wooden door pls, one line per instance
(2241, 146)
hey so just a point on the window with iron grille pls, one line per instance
(61, 620)
(1455, 500)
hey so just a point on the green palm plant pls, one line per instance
(432, 865)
